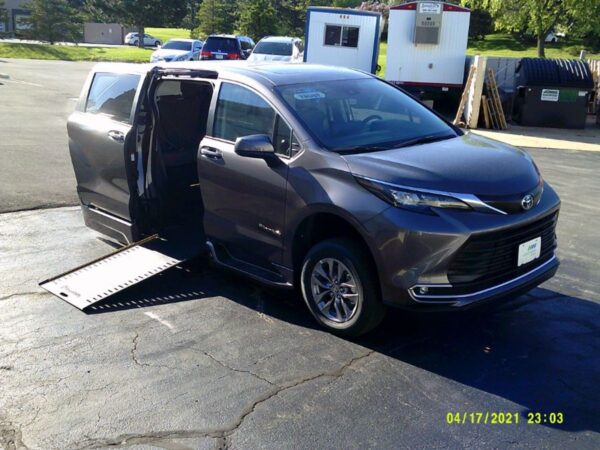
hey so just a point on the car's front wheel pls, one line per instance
(157, 43)
(340, 288)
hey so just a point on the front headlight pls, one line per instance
(411, 199)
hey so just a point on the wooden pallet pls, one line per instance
(465, 96)
(494, 103)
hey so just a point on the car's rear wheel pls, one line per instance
(340, 288)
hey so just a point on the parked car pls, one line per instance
(134, 39)
(178, 50)
(227, 47)
(553, 37)
(278, 48)
(323, 179)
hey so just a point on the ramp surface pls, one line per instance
(99, 279)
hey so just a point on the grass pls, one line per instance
(73, 53)
(164, 34)
(492, 45)
(506, 45)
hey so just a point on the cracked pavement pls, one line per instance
(205, 359)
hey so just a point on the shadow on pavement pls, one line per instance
(539, 351)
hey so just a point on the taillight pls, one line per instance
(205, 54)
(233, 56)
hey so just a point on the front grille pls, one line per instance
(488, 259)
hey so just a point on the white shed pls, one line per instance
(427, 44)
(342, 37)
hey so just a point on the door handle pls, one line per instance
(211, 152)
(117, 136)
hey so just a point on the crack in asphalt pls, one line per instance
(234, 369)
(222, 434)
(134, 350)
(41, 207)
(9, 296)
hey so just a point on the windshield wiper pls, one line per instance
(424, 140)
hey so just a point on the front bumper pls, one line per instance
(520, 284)
(414, 251)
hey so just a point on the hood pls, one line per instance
(260, 57)
(167, 53)
(467, 164)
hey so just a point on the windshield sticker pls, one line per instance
(311, 95)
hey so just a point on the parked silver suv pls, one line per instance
(322, 179)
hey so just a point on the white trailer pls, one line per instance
(342, 37)
(427, 44)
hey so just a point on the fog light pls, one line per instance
(423, 290)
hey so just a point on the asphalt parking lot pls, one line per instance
(200, 358)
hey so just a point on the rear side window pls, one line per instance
(241, 112)
(225, 45)
(112, 94)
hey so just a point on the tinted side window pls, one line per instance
(112, 94)
(350, 37)
(241, 112)
(332, 34)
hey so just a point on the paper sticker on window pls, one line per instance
(313, 95)
(550, 95)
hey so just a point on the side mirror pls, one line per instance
(254, 146)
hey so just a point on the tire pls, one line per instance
(135, 43)
(156, 44)
(341, 317)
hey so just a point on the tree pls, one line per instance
(143, 13)
(3, 14)
(216, 16)
(536, 16)
(53, 20)
(481, 23)
(258, 18)
(103, 11)
(190, 20)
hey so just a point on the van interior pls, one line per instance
(180, 112)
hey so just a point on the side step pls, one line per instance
(103, 277)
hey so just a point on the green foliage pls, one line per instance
(538, 17)
(3, 12)
(103, 11)
(53, 20)
(347, 3)
(216, 17)
(481, 24)
(257, 18)
(157, 13)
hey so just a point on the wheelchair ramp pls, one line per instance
(99, 279)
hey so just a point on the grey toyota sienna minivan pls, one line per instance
(323, 179)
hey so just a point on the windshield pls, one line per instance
(368, 114)
(274, 48)
(178, 45)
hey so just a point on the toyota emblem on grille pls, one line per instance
(527, 202)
